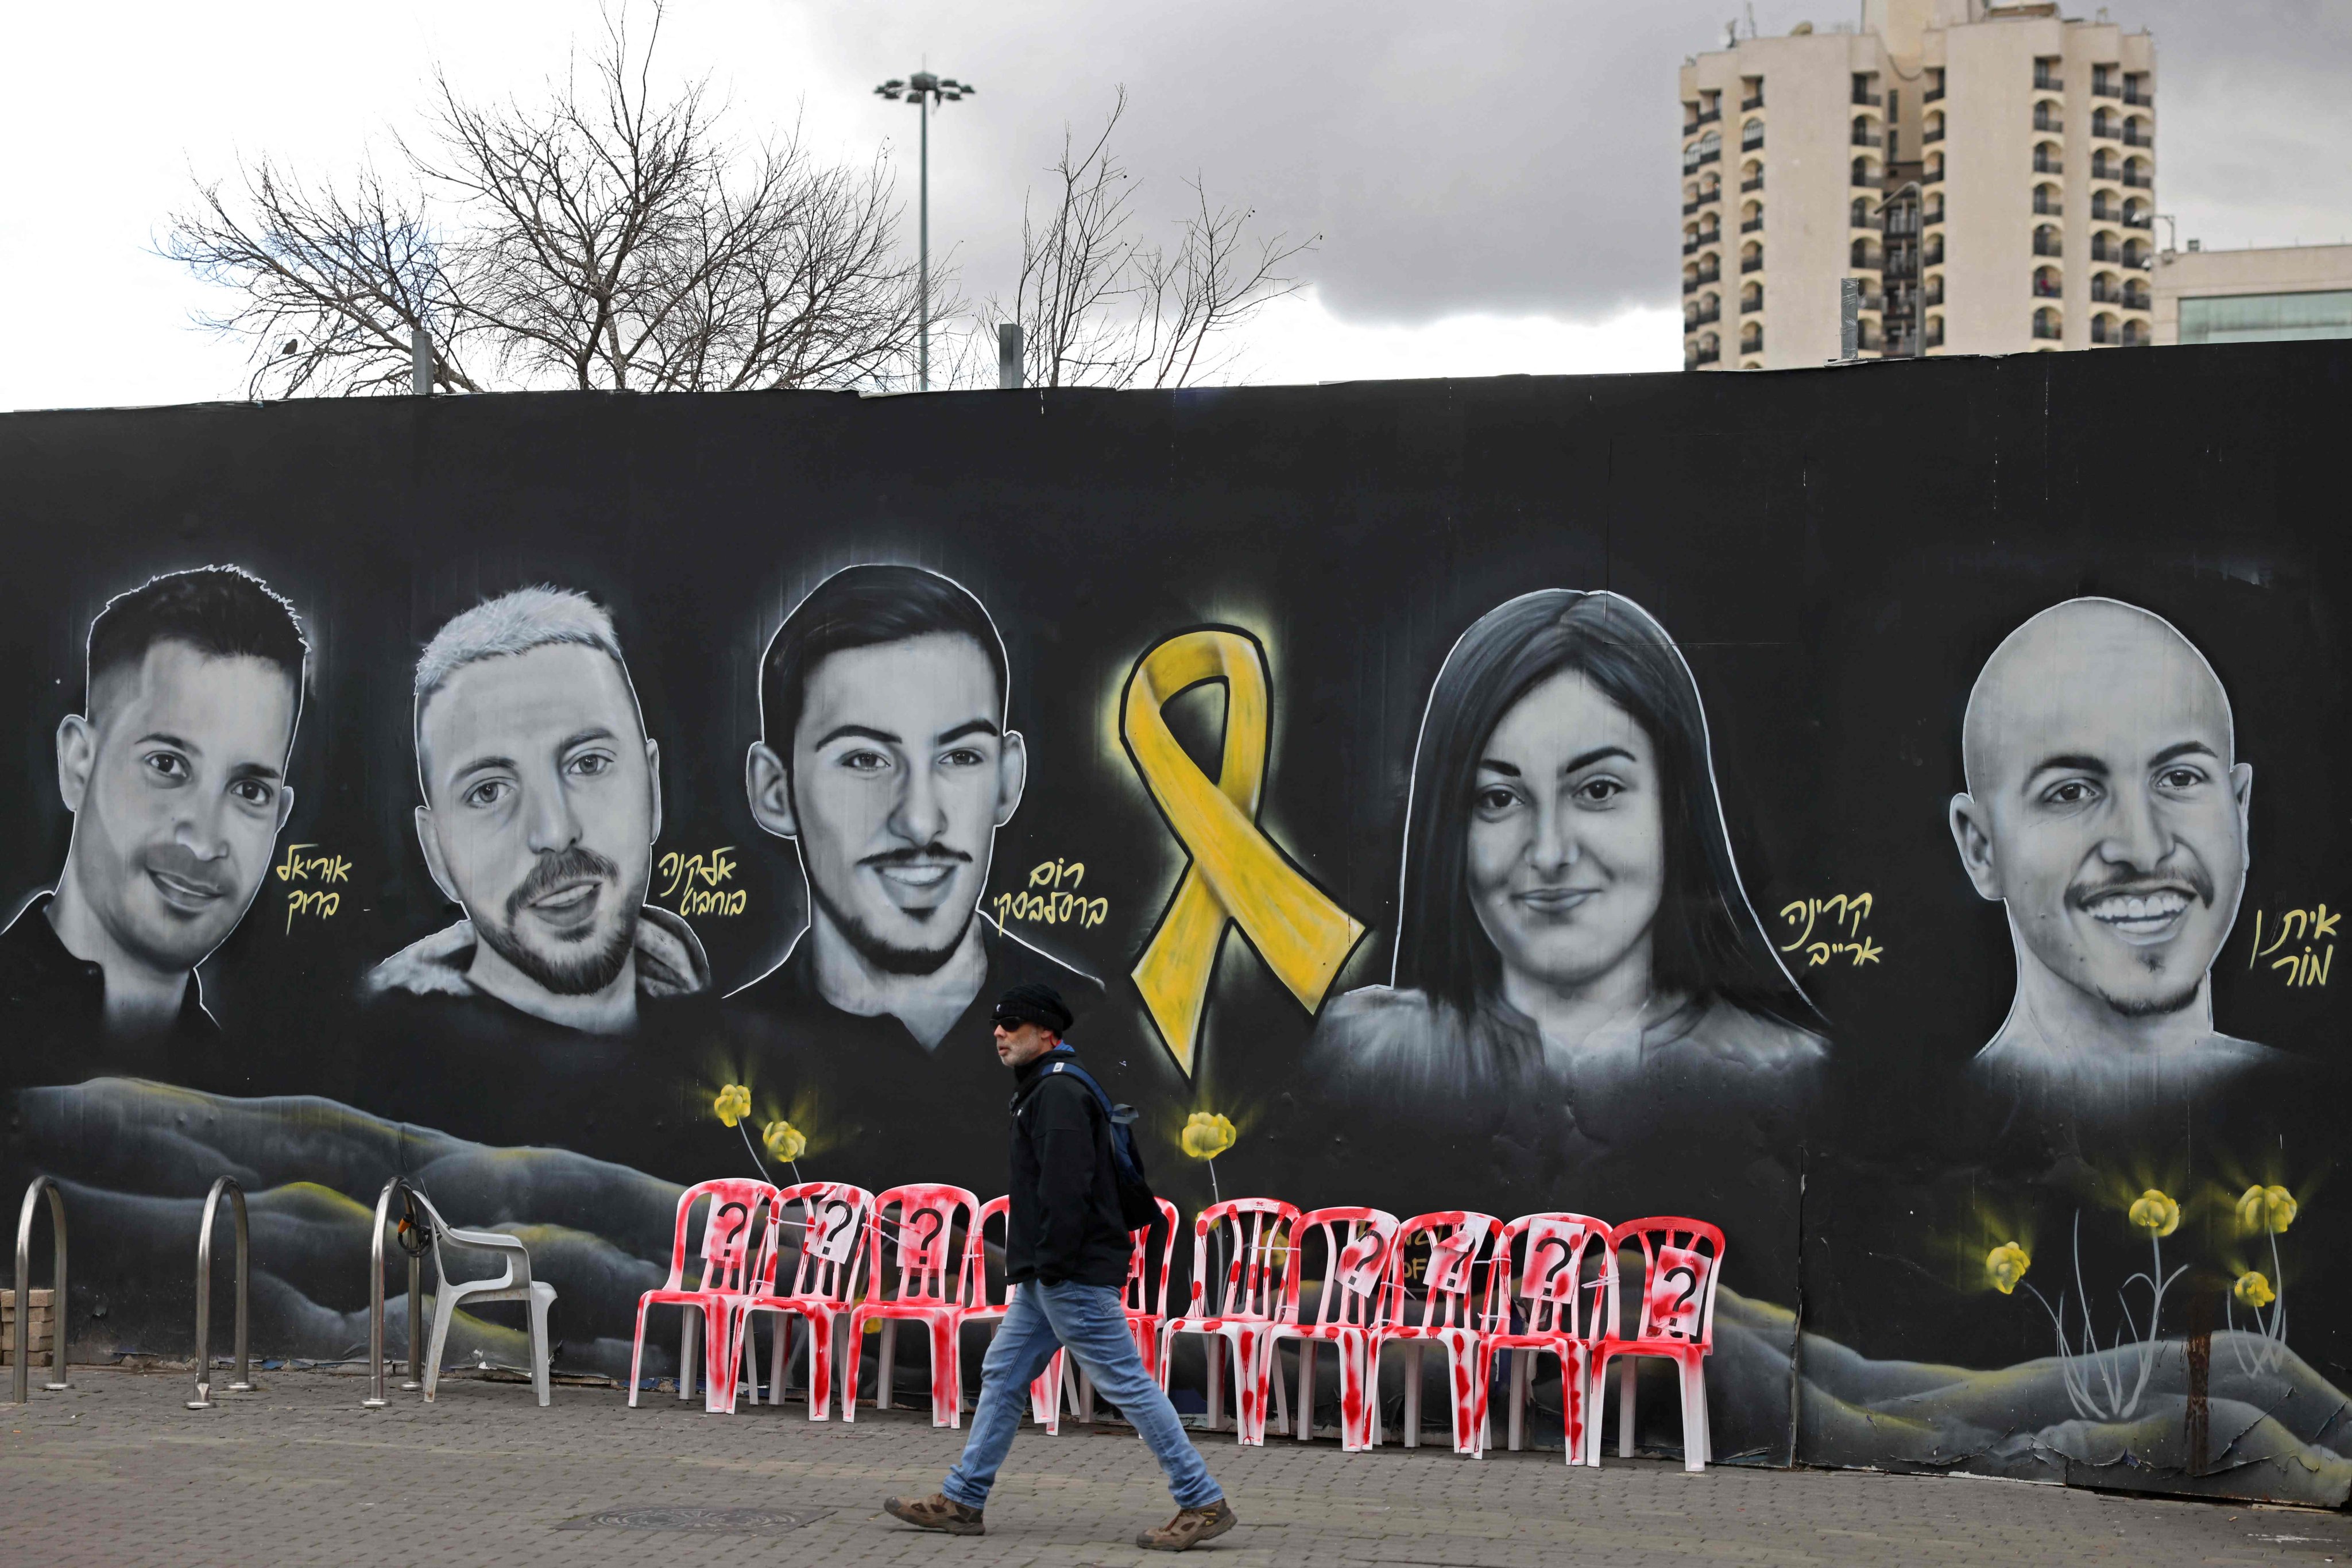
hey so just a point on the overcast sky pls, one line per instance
(1495, 183)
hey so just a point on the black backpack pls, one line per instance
(1138, 1207)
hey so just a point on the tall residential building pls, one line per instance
(1985, 172)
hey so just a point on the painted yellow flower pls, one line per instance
(784, 1141)
(2154, 1213)
(2005, 1265)
(2271, 1208)
(1207, 1134)
(2253, 1290)
(734, 1103)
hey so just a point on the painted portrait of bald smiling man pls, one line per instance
(2106, 811)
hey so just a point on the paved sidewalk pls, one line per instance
(116, 1472)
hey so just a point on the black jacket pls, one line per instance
(1063, 1222)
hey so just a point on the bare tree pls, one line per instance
(604, 238)
(1100, 306)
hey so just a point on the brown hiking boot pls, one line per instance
(937, 1511)
(1189, 1529)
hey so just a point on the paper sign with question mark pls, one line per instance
(1550, 1274)
(1449, 1259)
(1678, 1288)
(922, 1240)
(1359, 1269)
(832, 1236)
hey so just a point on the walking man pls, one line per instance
(1066, 1254)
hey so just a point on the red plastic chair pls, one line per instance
(1356, 1243)
(1535, 1288)
(1445, 1315)
(1145, 1309)
(828, 1236)
(1255, 1234)
(1045, 1389)
(933, 1282)
(1681, 1261)
(732, 1260)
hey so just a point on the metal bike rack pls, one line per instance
(22, 1339)
(375, 1303)
(244, 1383)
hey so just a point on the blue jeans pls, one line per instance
(1088, 1321)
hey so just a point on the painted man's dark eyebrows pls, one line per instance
(2185, 748)
(855, 732)
(2069, 761)
(970, 726)
(173, 741)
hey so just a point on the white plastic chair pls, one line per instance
(513, 1285)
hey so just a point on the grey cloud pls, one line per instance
(1509, 158)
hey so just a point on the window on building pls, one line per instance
(2266, 318)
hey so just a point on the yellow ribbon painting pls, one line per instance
(1237, 876)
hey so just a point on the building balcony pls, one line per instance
(2043, 207)
(2048, 330)
(1934, 338)
(1753, 225)
(2139, 182)
(2134, 263)
(1707, 357)
(1708, 275)
(1863, 180)
(1871, 302)
(1933, 95)
(1745, 186)
(2134, 137)
(2106, 334)
(2138, 300)
(1865, 136)
(2048, 245)
(1870, 221)
(2106, 86)
(2049, 290)
(2050, 123)
(1753, 264)
(1751, 143)
(1934, 254)
(1711, 314)
(1933, 295)
(1690, 207)
(1935, 135)
(1747, 103)
(2139, 96)
(1712, 155)
(2143, 222)
(1706, 117)
(1865, 99)
(2047, 82)
(2049, 165)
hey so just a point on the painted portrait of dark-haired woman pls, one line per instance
(1573, 939)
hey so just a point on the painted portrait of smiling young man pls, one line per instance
(885, 756)
(541, 801)
(175, 774)
(2106, 811)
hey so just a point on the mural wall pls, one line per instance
(1894, 813)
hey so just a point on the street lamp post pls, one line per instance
(923, 89)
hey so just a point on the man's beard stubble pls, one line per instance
(877, 950)
(589, 970)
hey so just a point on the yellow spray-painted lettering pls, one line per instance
(1237, 875)
(1841, 919)
(319, 903)
(1052, 898)
(2304, 930)
(693, 885)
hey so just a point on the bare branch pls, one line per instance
(602, 237)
